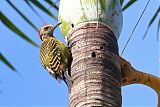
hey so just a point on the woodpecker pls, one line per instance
(54, 55)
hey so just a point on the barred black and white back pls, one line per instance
(50, 57)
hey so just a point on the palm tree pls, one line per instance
(91, 60)
(93, 28)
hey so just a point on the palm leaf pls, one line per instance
(131, 2)
(40, 6)
(121, 1)
(151, 22)
(23, 16)
(5, 61)
(12, 27)
(28, 3)
(158, 30)
(52, 4)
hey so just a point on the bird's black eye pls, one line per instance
(46, 28)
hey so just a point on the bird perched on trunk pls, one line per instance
(54, 55)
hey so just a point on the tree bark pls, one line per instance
(95, 68)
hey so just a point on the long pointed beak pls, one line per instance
(55, 26)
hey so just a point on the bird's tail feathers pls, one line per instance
(67, 80)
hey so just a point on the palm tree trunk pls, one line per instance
(95, 68)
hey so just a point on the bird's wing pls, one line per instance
(51, 56)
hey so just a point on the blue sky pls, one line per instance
(33, 86)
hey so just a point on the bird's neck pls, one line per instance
(45, 37)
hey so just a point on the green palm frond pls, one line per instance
(5, 61)
(151, 22)
(12, 27)
(38, 15)
(22, 15)
(129, 4)
(158, 30)
(44, 9)
(121, 1)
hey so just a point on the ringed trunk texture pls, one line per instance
(95, 68)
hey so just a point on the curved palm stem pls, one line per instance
(133, 76)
